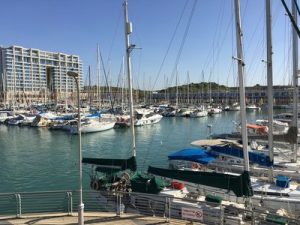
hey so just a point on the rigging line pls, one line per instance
(259, 65)
(297, 7)
(184, 39)
(232, 44)
(85, 78)
(245, 10)
(219, 42)
(275, 14)
(139, 67)
(289, 67)
(229, 71)
(291, 17)
(255, 29)
(220, 46)
(259, 46)
(287, 51)
(106, 81)
(114, 36)
(118, 82)
(282, 67)
(211, 53)
(171, 41)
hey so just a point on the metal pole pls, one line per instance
(270, 84)
(295, 80)
(81, 205)
(128, 31)
(241, 83)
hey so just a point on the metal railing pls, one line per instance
(16, 205)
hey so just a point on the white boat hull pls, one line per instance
(147, 121)
(92, 128)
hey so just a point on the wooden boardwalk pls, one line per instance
(90, 218)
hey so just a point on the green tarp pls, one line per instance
(108, 164)
(240, 185)
(141, 182)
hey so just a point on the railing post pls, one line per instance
(169, 209)
(167, 214)
(221, 215)
(18, 205)
(150, 207)
(70, 203)
(118, 212)
(252, 217)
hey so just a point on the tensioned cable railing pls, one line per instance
(17, 205)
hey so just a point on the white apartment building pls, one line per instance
(30, 75)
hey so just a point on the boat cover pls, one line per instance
(108, 164)
(254, 156)
(194, 155)
(220, 141)
(291, 136)
(240, 185)
(145, 183)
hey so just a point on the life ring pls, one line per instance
(95, 185)
(196, 166)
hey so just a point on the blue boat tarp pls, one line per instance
(254, 156)
(194, 155)
(95, 115)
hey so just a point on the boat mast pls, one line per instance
(129, 47)
(188, 87)
(90, 88)
(202, 89)
(165, 80)
(14, 88)
(123, 83)
(98, 79)
(144, 89)
(176, 89)
(209, 85)
(270, 83)
(295, 78)
(241, 64)
(66, 95)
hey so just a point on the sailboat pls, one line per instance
(115, 175)
(237, 185)
(92, 125)
(121, 174)
(266, 195)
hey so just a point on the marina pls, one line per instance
(224, 155)
(29, 153)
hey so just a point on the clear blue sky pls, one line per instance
(75, 27)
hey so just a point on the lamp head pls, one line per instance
(72, 74)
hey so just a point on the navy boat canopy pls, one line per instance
(254, 156)
(194, 155)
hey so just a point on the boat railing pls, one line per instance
(18, 205)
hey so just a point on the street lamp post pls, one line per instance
(81, 205)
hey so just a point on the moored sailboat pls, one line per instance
(267, 195)
(238, 185)
(121, 175)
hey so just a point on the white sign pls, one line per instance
(192, 213)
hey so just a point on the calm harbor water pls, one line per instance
(38, 159)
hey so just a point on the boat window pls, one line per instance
(139, 116)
